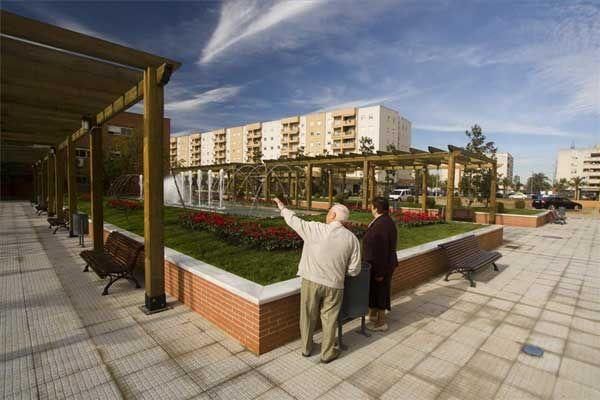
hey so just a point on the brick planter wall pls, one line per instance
(524, 221)
(266, 317)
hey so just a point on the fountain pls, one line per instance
(141, 186)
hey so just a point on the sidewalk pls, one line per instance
(59, 338)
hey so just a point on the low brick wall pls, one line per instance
(524, 221)
(263, 318)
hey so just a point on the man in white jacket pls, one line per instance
(330, 252)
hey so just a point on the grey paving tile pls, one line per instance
(376, 378)
(410, 387)
(311, 383)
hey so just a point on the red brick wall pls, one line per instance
(262, 328)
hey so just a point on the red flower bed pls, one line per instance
(415, 218)
(126, 205)
(84, 197)
(252, 234)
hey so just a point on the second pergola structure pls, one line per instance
(58, 86)
(303, 169)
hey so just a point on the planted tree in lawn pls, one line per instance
(390, 174)
(561, 185)
(366, 145)
(256, 155)
(478, 182)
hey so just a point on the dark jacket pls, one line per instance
(379, 246)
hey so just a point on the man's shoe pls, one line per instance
(330, 359)
(305, 355)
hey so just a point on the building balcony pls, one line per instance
(349, 122)
(349, 145)
(290, 129)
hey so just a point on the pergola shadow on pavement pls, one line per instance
(59, 86)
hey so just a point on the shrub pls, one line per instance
(415, 218)
(341, 198)
(457, 202)
(520, 203)
(126, 205)
(84, 197)
(252, 234)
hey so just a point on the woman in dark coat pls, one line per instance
(379, 250)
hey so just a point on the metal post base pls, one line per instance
(155, 304)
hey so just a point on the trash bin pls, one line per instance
(356, 300)
(80, 225)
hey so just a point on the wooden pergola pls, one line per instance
(414, 159)
(59, 86)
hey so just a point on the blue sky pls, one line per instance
(527, 71)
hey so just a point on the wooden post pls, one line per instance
(308, 184)
(372, 183)
(493, 184)
(365, 184)
(51, 187)
(343, 181)
(59, 182)
(43, 183)
(34, 184)
(330, 187)
(297, 189)
(450, 188)
(424, 188)
(155, 298)
(97, 187)
(71, 182)
(267, 187)
(289, 187)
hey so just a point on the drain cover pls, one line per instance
(551, 237)
(533, 350)
(513, 246)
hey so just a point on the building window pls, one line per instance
(82, 153)
(119, 130)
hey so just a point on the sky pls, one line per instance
(527, 72)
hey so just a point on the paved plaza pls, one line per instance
(59, 338)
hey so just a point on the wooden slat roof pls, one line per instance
(52, 77)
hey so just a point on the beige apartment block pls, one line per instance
(220, 147)
(195, 149)
(584, 163)
(271, 139)
(207, 146)
(290, 136)
(505, 165)
(253, 140)
(235, 145)
(315, 134)
(173, 152)
(344, 131)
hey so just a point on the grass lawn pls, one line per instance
(256, 265)
(515, 211)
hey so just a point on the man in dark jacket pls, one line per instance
(379, 249)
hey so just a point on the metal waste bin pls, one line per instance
(80, 225)
(356, 300)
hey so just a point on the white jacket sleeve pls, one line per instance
(307, 230)
(354, 264)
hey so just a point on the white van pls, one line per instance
(400, 194)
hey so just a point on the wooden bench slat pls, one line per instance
(465, 256)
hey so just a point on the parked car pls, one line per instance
(400, 194)
(518, 196)
(556, 201)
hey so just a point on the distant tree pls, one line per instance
(576, 183)
(478, 182)
(390, 174)
(561, 185)
(517, 183)
(256, 156)
(538, 182)
(366, 145)
(390, 148)
(506, 183)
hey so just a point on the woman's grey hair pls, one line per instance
(341, 212)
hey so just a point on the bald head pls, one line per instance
(337, 212)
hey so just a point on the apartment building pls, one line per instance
(331, 132)
(584, 163)
(121, 136)
(504, 165)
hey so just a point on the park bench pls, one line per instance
(465, 257)
(41, 208)
(116, 261)
(57, 222)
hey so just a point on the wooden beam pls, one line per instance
(308, 183)
(330, 187)
(155, 298)
(51, 185)
(450, 188)
(54, 36)
(71, 182)
(43, 183)
(97, 187)
(59, 182)
(365, 184)
(424, 175)
(493, 185)
(297, 189)
(267, 187)
(25, 137)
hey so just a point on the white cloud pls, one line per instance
(511, 128)
(242, 19)
(218, 95)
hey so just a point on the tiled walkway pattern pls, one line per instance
(60, 339)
